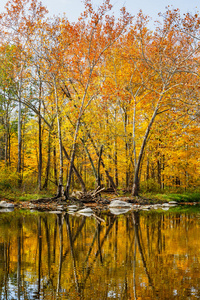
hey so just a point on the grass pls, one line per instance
(185, 197)
(28, 193)
(18, 195)
(178, 197)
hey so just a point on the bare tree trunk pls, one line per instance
(40, 140)
(135, 189)
(60, 191)
(19, 163)
(90, 159)
(116, 166)
(99, 165)
(55, 165)
(48, 161)
(76, 172)
(72, 159)
(102, 163)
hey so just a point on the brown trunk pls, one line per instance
(75, 171)
(40, 140)
(136, 183)
(48, 161)
(99, 165)
(103, 165)
(55, 166)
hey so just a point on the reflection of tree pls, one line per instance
(48, 245)
(130, 257)
(7, 263)
(136, 222)
(39, 254)
(75, 236)
(60, 224)
(19, 259)
(134, 273)
(88, 270)
(54, 240)
(116, 239)
(98, 239)
(78, 289)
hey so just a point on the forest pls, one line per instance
(104, 101)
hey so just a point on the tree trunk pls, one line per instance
(91, 161)
(55, 165)
(19, 163)
(72, 159)
(60, 191)
(102, 163)
(76, 172)
(99, 165)
(136, 183)
(48, 161)
(40, 140)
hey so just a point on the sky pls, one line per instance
(73, 8)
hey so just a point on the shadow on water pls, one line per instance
(140, 255)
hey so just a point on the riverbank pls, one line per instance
(47, 202)
(17, 196)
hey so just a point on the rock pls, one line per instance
(146, 207)
(59, 207)
(119, 203)
(165, 205)
(165, 208)
(157, 206)
(72, 207)
(5, 204)
(85, 212)
(173, 202)
(6, 210)
(119, 211)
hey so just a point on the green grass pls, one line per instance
(186, 197)
(17, 195)
(183, 197)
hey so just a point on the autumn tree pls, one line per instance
(165, 63)
(17, 25)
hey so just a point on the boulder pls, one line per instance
(119, 211)
(85, 212)
(5, 204)
(119, 203)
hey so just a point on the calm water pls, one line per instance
(146, 255)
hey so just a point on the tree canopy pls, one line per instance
(103, 101)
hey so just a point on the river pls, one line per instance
(137, 255)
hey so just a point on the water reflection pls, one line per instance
(146, 255)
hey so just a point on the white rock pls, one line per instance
(6, 210)
(85, 212)
(119, 203)
(165, 208)
(119, 211)
(165, 205)
(72, 208)
(5, 204)
(173, 202)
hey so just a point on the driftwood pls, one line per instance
(90, 196)
(47, 200)
(85, 197)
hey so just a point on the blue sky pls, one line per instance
(73, 8)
